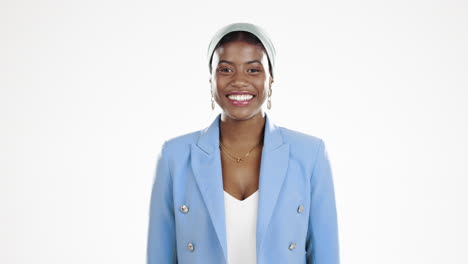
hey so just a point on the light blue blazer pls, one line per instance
(296, 218)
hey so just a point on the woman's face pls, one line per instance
(240, 79)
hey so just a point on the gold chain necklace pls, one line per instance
(234, 157)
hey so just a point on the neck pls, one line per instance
(242, 134)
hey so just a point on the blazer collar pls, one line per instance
(209, 138)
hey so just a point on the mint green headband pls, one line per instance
(251, 28)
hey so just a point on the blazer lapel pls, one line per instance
(275, 159)
(206, 166)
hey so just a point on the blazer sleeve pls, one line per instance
(322, 236)
(161, 240)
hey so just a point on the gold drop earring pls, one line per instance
(212, 102)
(269, 99)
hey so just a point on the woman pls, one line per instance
(243, 190)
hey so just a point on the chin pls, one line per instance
(241, 114)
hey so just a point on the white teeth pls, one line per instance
(240, 97)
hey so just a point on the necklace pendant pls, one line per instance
(239, 160)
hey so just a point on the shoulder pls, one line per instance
(304, 148)
(297, 138)
(180, 142)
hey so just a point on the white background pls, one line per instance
(89, 90)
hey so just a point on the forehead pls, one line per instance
(239, 51)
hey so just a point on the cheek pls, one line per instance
(217, 87)
(220, 83)
(214, 82)
(262, 87)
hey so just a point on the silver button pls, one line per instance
(300, 209)
(292, 246)
(184, 209)
(190, 246)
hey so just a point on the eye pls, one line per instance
(254, 70)
(225, 69)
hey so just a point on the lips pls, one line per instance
(240, 98)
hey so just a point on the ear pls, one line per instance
(271, 81)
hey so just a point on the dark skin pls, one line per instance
(240, 66)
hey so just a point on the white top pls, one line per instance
(241, 228)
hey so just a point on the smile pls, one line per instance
(240, 99)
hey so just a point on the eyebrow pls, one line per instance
(230, 62)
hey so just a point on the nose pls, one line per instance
(239, 80)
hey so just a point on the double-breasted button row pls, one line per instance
(184, 209)
(300, 209)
